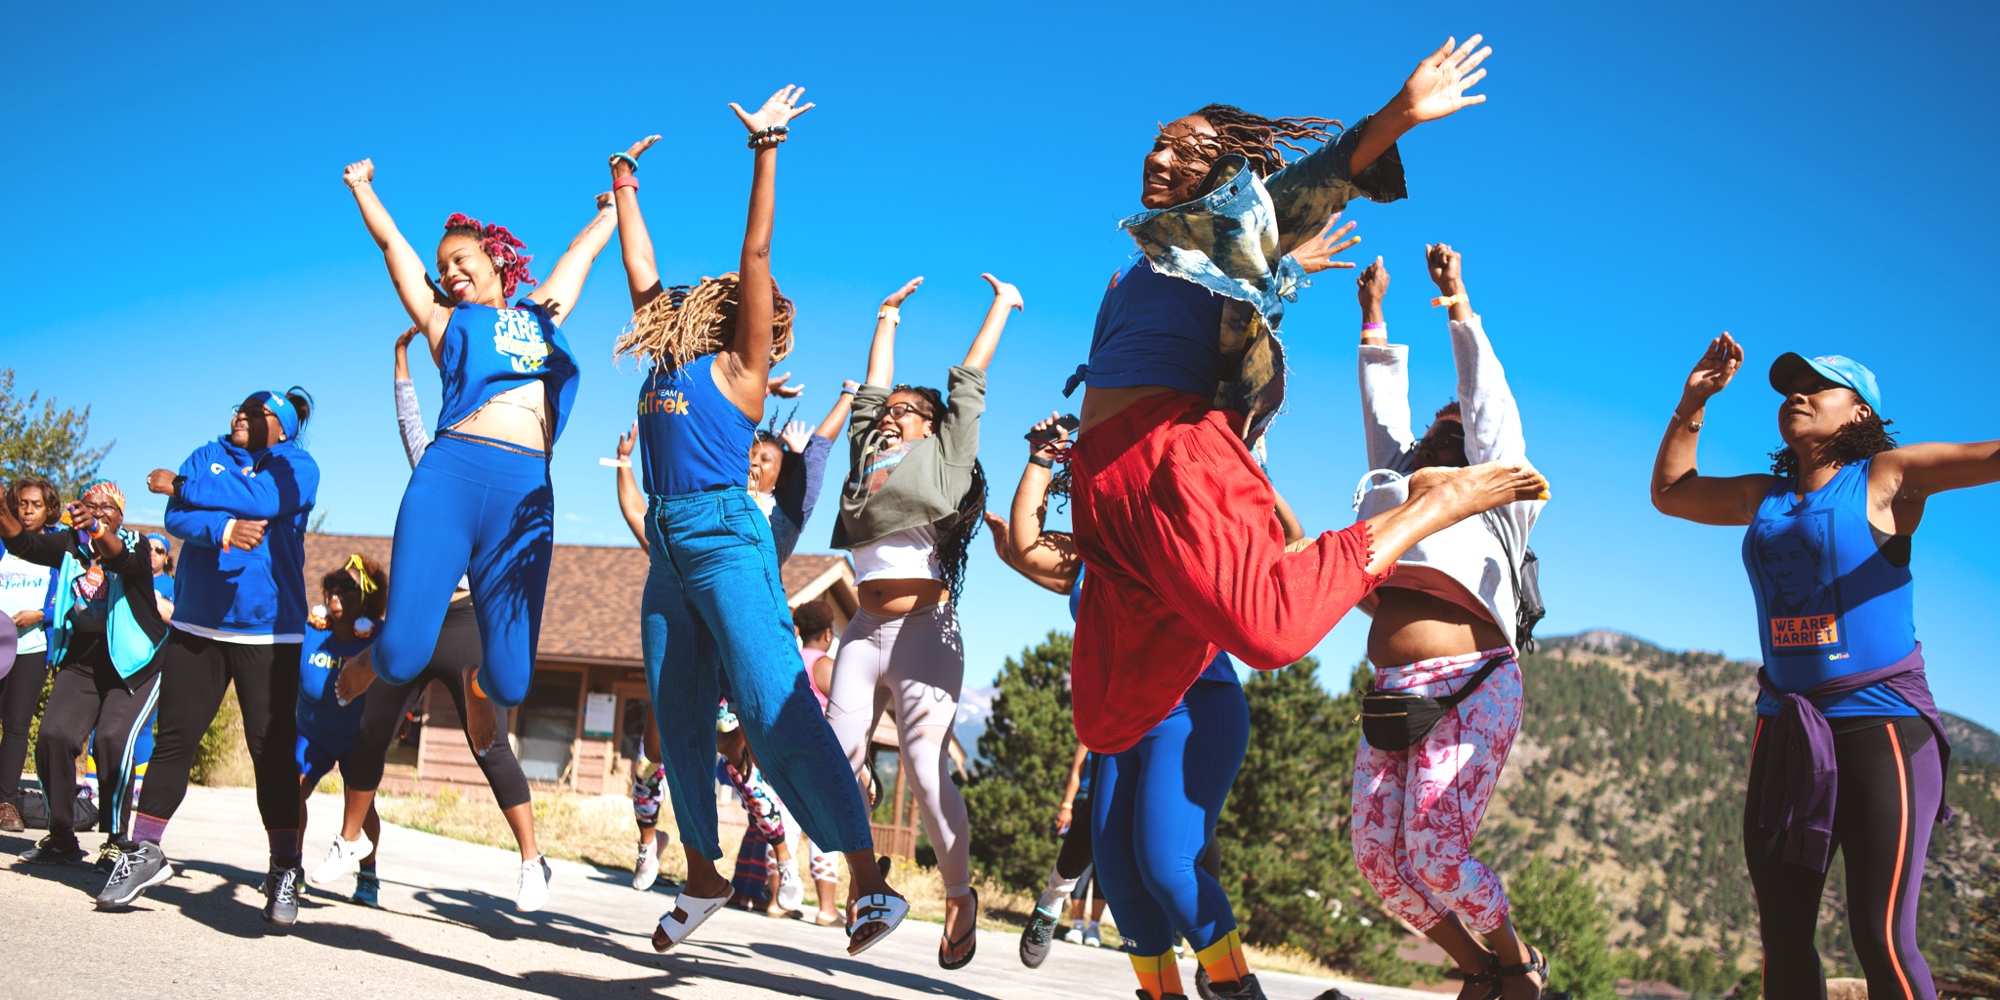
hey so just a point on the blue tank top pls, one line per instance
(1828, 602)
(694, 438)
(1153, 329)
(1222, 668)
(487, 351)
(322, 719)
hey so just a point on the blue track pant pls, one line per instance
(487, 513)
(1153, 811)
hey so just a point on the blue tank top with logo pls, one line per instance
(322, 719)
(693, 438)
(1222, 668)
(1829, 603)
(487, 351)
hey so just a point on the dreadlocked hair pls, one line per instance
(500, 245)
(1861, 439)
(1256, 138)
(685, 322)
(955, 536)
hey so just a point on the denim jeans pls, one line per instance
(714, 622)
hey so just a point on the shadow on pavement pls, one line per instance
(829, 964)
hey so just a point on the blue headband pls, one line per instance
(280, 407)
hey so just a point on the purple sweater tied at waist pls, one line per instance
(1801, 778)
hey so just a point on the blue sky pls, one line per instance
(1644, 175)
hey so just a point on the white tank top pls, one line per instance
(910, 554)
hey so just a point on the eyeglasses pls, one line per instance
(897, 411)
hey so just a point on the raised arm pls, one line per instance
(882, 349)
(631, 502)
(406, 270)
(409, 416)
(750, 350)
(1904, 478)
(1679, 488)
(1385, 379)
(836, 418)
(1434, 90)
(1006, 298)
(635, 245)
(564, 285)
(1486, 403)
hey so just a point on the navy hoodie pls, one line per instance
(258, 595)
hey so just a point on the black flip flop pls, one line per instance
(966, 959)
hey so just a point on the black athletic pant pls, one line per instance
(382, 710)
(1890, 784)
(195, 672)
(20, 695)
(88, 696)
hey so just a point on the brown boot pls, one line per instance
(10, 818)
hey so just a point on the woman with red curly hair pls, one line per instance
(480, 503)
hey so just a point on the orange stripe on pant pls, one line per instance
(1902, 852)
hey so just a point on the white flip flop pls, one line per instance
(888, 911)
(688, 914)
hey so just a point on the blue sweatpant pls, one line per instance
(487, 513)
(1153, 810)
(714, 623)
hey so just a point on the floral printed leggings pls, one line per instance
(1416, 810)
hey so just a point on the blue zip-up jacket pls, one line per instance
(257, 595)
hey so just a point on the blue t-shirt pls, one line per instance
(323, 720)
(1222, 668)
(487, 351)
(1829, 602)
(163, 585)
(1153, 329)
(692, 437)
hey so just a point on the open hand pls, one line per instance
(621, 166)
(358, 173)
(895, 299)
(796, 436)
(1005, 294)
(1436, 88)
(161, 481)
(1316, 254)
(1444, 264)
(1712, 373)
(627, 440)
(780, 109)
(775, 386)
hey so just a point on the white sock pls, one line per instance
(1058, 889)
(646, 850)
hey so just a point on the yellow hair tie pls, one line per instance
(360, 571)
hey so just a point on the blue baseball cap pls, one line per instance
(280, 407)
(1835, 368)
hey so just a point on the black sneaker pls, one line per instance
(1035, 938)
(136, 870)
(51, 851)
(281, 896)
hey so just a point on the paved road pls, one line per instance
(448, 930)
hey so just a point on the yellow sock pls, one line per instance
(1224, 959)
(1158, 974)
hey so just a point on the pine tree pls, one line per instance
(1980, 970)
(1025, 755)
(50, 444)
(1286, 855)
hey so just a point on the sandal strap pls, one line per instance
(1535, 965)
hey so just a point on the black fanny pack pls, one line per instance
(1398, 721)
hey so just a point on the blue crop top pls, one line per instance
(693, 438)
(487, 351)
(1153, 329)
(1222, 668)
(1828, 601)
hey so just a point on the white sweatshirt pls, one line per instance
(1464, 563)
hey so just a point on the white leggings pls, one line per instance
(917, 662)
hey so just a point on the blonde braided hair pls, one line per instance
(684, 322)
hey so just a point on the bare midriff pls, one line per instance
(519, 416)
(1411, 625)
(891, 598)
(1103, 404)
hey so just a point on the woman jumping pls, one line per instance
(714, 605)
(1444, 626)
(912, 500)
(1849, 749)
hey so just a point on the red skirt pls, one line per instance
(1179, 529)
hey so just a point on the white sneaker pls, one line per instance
(343, 861)
(1074, 935)
(647, 871)
(791, 891)
(533, 893)
(1091, 938)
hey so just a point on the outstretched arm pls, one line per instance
(1435, 89)
(560, 290)
(750, 350)
(1006, 298)
(836, 418)
(1385, 378)
(631, 502)
(1679, 488)
(882, 349)
(409, 416)
(406, 269)
(1486, 402)
(635, 245)
(1902, 479)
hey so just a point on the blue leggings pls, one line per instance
(1154, 808)
(714, 623)
(487, 513)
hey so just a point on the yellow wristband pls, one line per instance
(890, 313)
(1449, 300)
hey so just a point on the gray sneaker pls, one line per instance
(135, 871)
(1037, 936)
(281, 896)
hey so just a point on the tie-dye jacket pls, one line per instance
(1237, 240)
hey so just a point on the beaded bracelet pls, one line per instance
(768, 136)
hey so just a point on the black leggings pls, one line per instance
(383, 706)
(1890, 785)
(195, 672)
(20, 695)
(90, 696)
